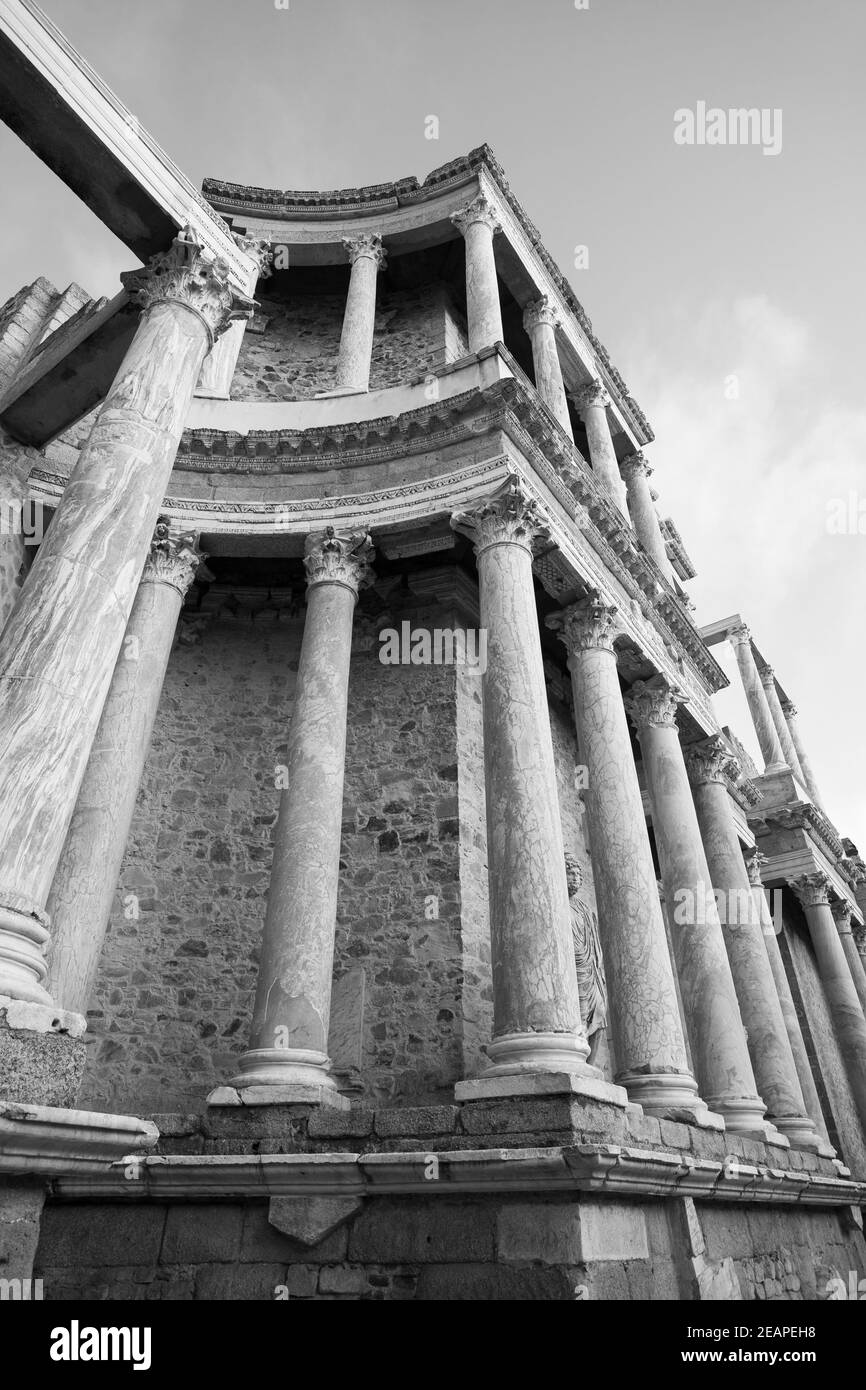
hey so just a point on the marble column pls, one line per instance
(58, 650)
(740, 639)
(367, 256)
(859, 935)
(82, 894)
(289, 1034)
(712, 771)
(478, 222)
(789, 710)
(721, 1056)
(648, 1036)
(536, 1008)
(540, 321)
(813, 891)
(636, 473)
(754, 860)
(592, 402)
(774, 704)
(841, 909)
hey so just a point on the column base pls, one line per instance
(670, 1096)
(745, 1116)
(23, 939)
(281, 1076)
(591, 1086)
(802, 1134)
(514, 1053)
(325, 1096)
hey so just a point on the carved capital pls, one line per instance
(653, 704)
(812, 889)
(711, 760)
(586, 625)
(754, 861)
(768, 676)
(789, 709)
(859, 935)
(258, 250)
(592, 395)
(172, 559)
(333, 559)
(635, 466)
(479, 210)
(741, 634)
(841, 910)
(511, 517)
(185, 274)
(366, 244)
(539, 311)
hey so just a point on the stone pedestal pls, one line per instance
(42, 1053)
(841, 910)
(813, 891)
(721, 1057)
(60, 646)
(789, 711)
(740, 639)
(84, 885)
(636, 473)
(478, 222)
(712, 769)
(289, 1035)
(592, 403)
(536, 1008)
(540, 320)
(367, 256)
(649, 1042)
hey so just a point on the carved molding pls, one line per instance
(186, 274)
(339, 559)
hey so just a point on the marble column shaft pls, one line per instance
(721, 1056)
(82, 894)
(367, 256)
(813, 891)
(592, 402)
(60, 646)
(774, 704)
(540, 320)
(711, 768)
(841, 910)
(740, 639)
(478, 222)
(289, 1034)
(649, 1043)
(536, 1007)
(789, 711)
(636, 472)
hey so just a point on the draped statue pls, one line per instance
(588, 960)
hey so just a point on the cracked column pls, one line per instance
(740, 639)
(719, 1050)
(636, 473)
(813, 892)
(592, 403)
(82, 893)
(287, 1059)
(536, 1008)
(789, 711)
(367, 257)
(477, 223)
(540, 321)
(712, 771)
(60, 646)
(841, 909)
(649, 1043)
(789, 752)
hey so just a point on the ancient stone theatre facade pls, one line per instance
(384, 911)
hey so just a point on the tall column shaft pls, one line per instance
(841, 910)
(790, 714)
(711, 767)
(774, 704)
(636, 472)
(289, 1034)
(718, 1041)
(478, 223)
(540, 320)
(83, 890)
(813, 891)
(649, 1042)
(59, 648)
(356, 340)
(592, 403)
(536, 1007)
(740, 639)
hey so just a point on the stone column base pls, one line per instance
(549, 1083)
(281, 1076)
(670, 1096)
(42, 1053)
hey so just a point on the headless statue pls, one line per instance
(588, 960)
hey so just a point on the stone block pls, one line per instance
(642, 1128)
(534, 1232)
(555, 1114)
(40, 1068)
(232, 1283)
(675, 1135)
(340, 1124)
(493, 1283)
(260, 1241)
(21, 1206)
(71, 1236)
(198, 1233)
(309, 1219)
(612, 1231)
(301, 1281)
(394, 1230)
(417, 1120)
(343, 1279)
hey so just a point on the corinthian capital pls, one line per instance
(479, 210)
(172, 559)
(841, 910)
(539, 311)
(711, 760)
(754, 861)
(258, 250)
(592, 395)
(741, 634)
(185, 274)
(333, 559)
(653, 704)
(789, 709)
(511, 516)
(635, 466)
(366, 244)
(812, 889)
(586, 625)
(768, 676)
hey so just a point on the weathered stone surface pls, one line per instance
(495, 1283)
(535, 1232)
(199, 1232)
(42, 1067)
(612, 1231)
(400, 1229)
(426, 1119)
(309, 1219)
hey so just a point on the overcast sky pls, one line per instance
(727, 283)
